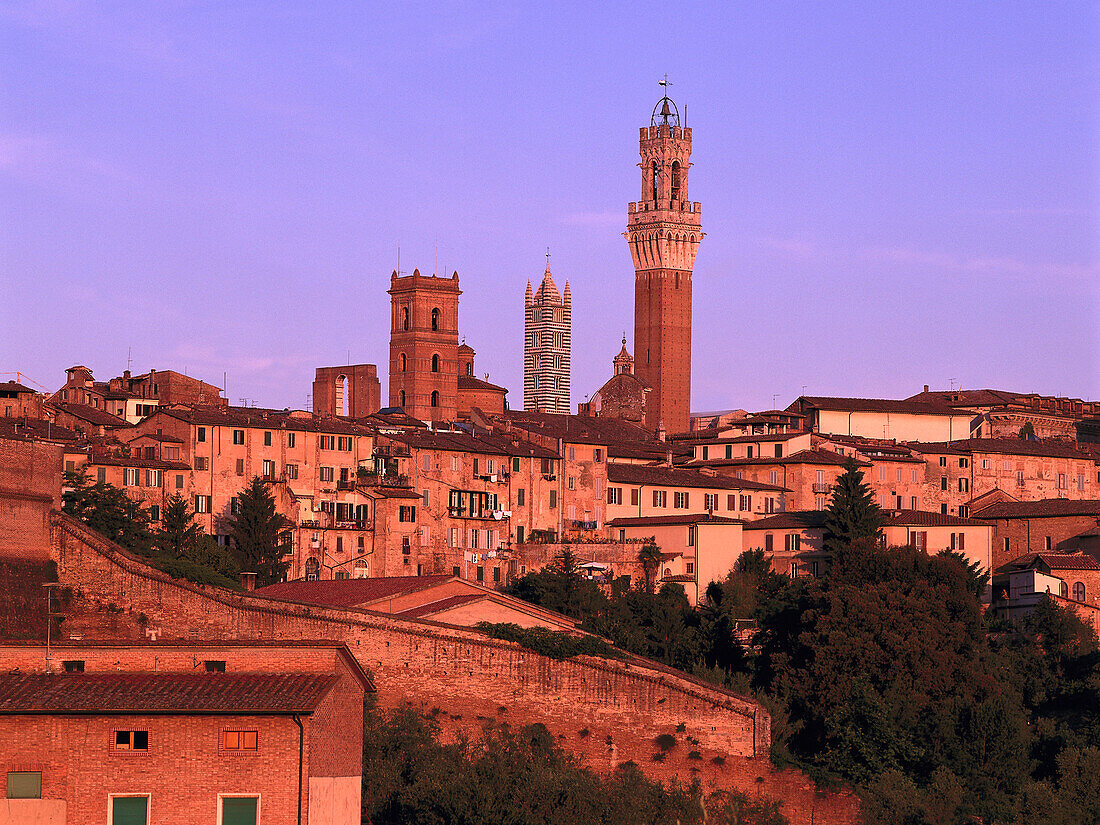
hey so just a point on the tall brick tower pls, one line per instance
(547, 328)
(424, 345)
(663, 230)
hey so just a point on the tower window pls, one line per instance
(653, 169)
(401, 399)
(404, 362)
(435, 398)
(405, 318)
(435, 319)
(435, 363)
(675, 180)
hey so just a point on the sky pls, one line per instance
(893, 194)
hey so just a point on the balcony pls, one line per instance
(585, 525)
(822, 488)
(352, 524)
(346, 484)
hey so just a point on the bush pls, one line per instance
(192, 572)
(666, 741)
(695, 755)
(550, 643)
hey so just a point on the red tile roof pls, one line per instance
(887, 405)
(461, 441)
(650, 475)
(163, 693)
(793, 520)
(1011, 446)
(814, 455)
(439, 606)
(24, 427)
(93, 415)
(12, 386)
(1053, 561)
(657, 521)
(259, 418)
(1044, 508)
(468, 382)
(797, 519)
(349, 592)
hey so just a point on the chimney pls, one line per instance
(248, 581)
(660, 430)
(926, 388)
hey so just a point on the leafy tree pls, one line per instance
(561, 587)
(107, 510)
(1027, 431)
(852, 513)
(649, 556)
(259, 534)
(977, 579)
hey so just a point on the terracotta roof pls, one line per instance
(1044, 508)
(465, 442)
(133, 461)
(162, 437)
(886, 405)
(679, 577)
(349, 592)
(793, 520)
(1011, 446)
(93, 415)
(965, 398)
(12, 386)
(392, 492)
(814, 455)
(921, 518)
(258, 418)
(698, 518)
(162, 693)
(679, 477)
(468, 382)
(579, 429)
(439, 606)
(1053, 561)
(34, 428)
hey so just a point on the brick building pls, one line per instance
(352, 391)
(663, 233)
(17, 401)
(547, 344)
(424, 345)
(1001, 414)
(623, 396)
(1045, 526)
(131, 398)
(225, 732)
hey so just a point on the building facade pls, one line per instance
(547, 343)
(663, 232)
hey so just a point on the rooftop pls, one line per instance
(650, 475)
(658, 521)
(885, 405)
(349, 592)
(1044, 508)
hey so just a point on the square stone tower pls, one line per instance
(547, 343)
(663, 231)
(424, 345)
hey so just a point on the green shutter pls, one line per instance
(238, 810)
(129, 810)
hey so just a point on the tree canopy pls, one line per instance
(259, 534)
(852, 513)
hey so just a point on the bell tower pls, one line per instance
(663, 231)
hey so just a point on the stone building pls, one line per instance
(353, 390)
(663, 232)
(424, 345)
(547, 341)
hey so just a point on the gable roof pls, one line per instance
(658, 521)
(468, 382)
(1052, 561)
(884, 405)
(163, 693)
(348, 592)
(651, 475)
(1010, 446)
(93, 415)
(792, 520)
(1044, 508)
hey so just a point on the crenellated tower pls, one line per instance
(663, 231)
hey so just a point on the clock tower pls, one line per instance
(663, 231)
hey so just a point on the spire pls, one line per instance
(567, 296)
(623, 362)
(527, 298)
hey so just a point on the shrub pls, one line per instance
(583, 733)
(681, 728)
(666, 742)
(719, 760)
(695, 755)
(659, 756)
(550, 643)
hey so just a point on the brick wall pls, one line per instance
(30, 483)
(1016, 537)
(443, 666)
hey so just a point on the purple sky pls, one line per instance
(894, 194)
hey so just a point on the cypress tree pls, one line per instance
(852, 513)
(259, 533)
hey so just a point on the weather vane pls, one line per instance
(547, 257)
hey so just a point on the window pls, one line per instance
(912, 503)
(943, 509)
(435, 398)
(635, 494)
(964, 462)
(882, 473)
(680, 501)
(239, 810)
(202, 504)
(406, 512)
(128, 810)
(1078, 591)
(515, 465)
(240, 466)
(916, 476)
(101, 475)
(214, 665)
(154, 512)
(1019, 478)
(200, 433)
(238, 436)
(597, 455)
(290, 439)
(240, 740)
(748, 453)
(691, 535)
(435, 320)
(481, 574)
(773, 477)
(129, 477)
(328, 442)
(778, 450)
(897, 476)
(1047, 543)
(943, 482)
(179, 482)
(1081, 482)
(24, 784)
(731, 502)
(660, 498)
(1061, 481)
(269, 468)
(792, 542)
(404, 318)
(496, 575)
(339, 544)
(572, 483)
(918, 539)
(202, 463)
(326, 473)
(1006, 545)
(964, 485)
(73, 665)
(519, 534)
(943, 461)
(964, 511)
(553, 499)
(131, 740)
(745, 503)
(343, 442)
(291, 470)
(435, 362)
(710, 502)
(267, 439)
(985, 464)
(521, 497)
(769, 542)
(572, 453)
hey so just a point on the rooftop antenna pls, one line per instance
(399, 271)
(129, 360)
(436, 261)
